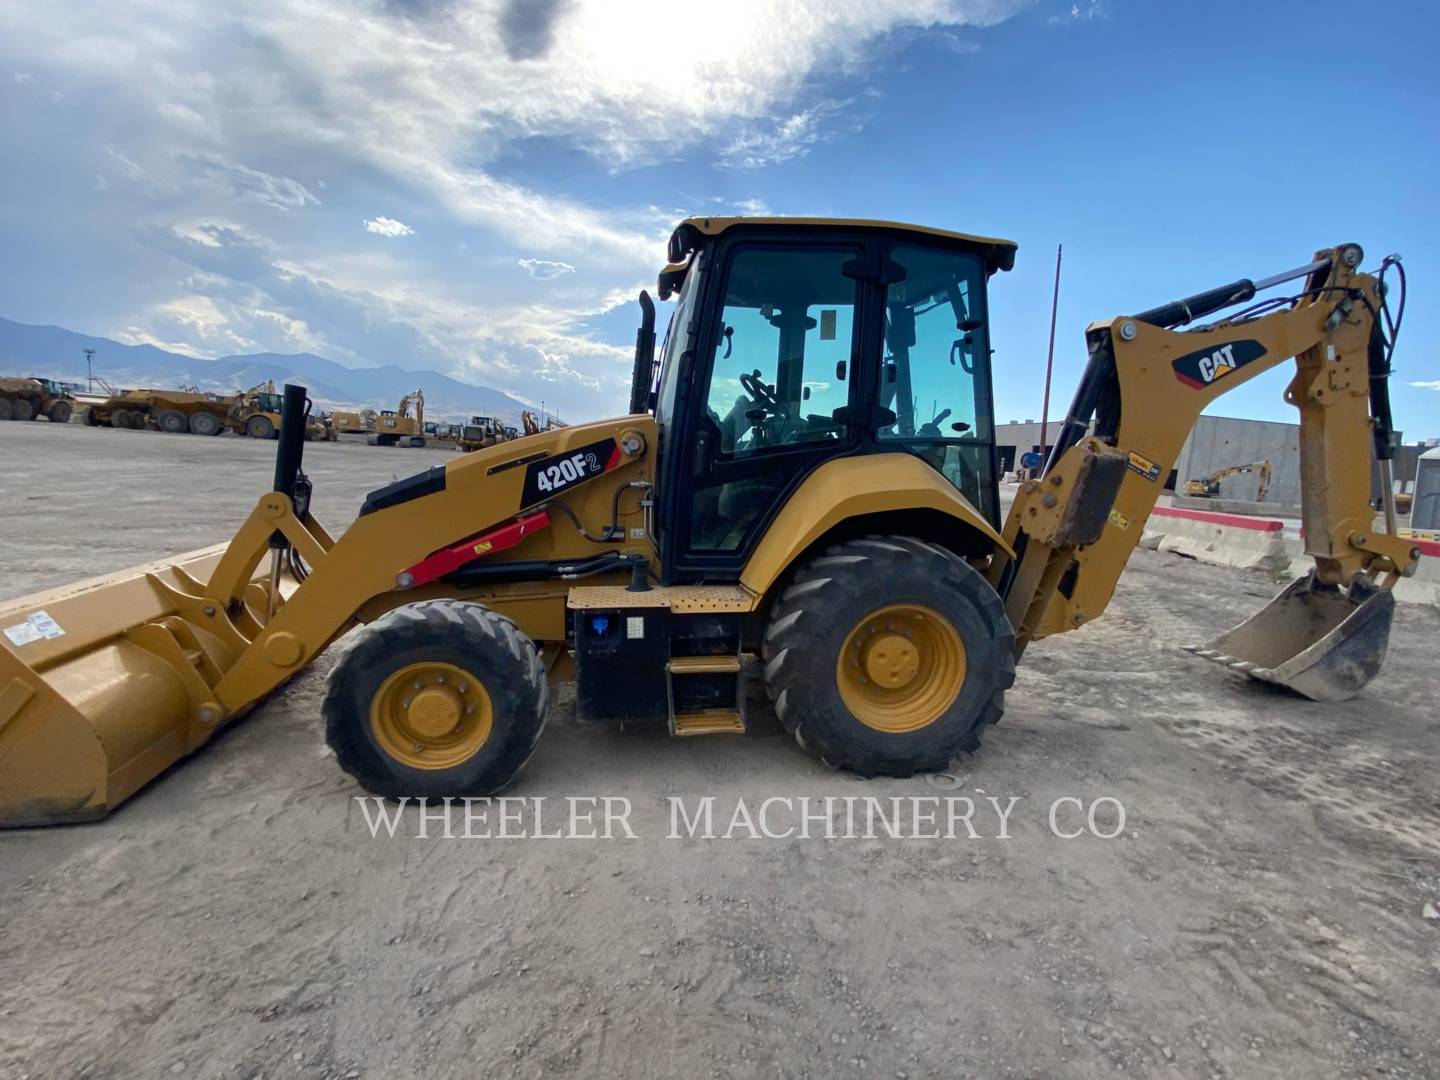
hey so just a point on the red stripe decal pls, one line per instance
(1234, 521)
(448, 559)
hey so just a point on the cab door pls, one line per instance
(772, 380)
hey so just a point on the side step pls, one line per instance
(703, 665)
(706, 695)
(707, 722)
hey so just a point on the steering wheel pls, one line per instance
(762, 395)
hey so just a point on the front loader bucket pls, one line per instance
(1317, 640)
(103, 685)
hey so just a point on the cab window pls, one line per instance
(781, 361)
(935, 368)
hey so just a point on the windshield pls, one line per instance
(677, 336)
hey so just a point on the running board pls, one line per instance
(707, 722)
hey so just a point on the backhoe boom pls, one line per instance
(1143, 389)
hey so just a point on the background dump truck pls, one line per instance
(196, 411)
(31, 398)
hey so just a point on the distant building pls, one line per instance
(1216, 443)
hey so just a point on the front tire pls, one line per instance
(259, 427)
(60, 412)
(888, 656)
(437, 699)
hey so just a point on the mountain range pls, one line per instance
(56, 353)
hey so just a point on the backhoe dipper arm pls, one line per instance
(1074, 527)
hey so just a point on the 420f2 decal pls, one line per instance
(1200, 369)
(551, 475)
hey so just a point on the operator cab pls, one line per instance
(797, 341)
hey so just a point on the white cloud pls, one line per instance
(1433, 384)
(236, 181)
(234, 128)
(544, 269)
(789, 139)
(384, 226)
(1087, 12)
(23, 77)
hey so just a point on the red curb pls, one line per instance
(1234, 521)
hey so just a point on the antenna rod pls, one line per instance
(1050, 356)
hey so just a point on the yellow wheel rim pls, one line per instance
(431, 715)
(900, 668)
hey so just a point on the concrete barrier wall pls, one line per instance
(1245, 543)
(1251, 543)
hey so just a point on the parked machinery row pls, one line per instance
(254, 412)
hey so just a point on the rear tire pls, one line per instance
(839, 611)
(172, 422)
(7, 409)
(60, 412)
(463, 655)
(21, 409)
(259, 427)
(124, 418)
(204, 423)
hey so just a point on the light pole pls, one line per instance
(1050, 356)
(89, 370)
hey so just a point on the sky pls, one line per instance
(483, 187)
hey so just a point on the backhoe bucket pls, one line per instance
(105, 684)
(1317, 640)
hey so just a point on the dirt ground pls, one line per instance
(1261, 914)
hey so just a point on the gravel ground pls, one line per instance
(1262, 913)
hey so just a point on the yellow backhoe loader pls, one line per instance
(807, 472)
(1208, 487)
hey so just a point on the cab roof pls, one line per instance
(1000, 254)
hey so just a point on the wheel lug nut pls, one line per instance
(405, 703)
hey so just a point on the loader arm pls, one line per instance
(106, 683)
(1074, 527)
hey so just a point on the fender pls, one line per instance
(852, 487)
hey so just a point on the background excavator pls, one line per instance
(1208, 487)
(807, 473)
(405, 426)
